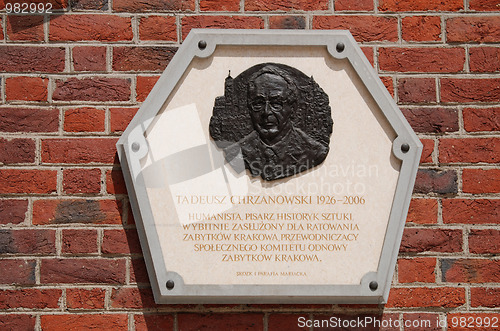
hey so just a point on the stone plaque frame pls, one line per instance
(132, 146)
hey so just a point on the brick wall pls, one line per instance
(70, 83)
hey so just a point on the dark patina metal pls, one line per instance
(274, 120)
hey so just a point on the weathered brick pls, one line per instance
(363, 28)
(485, 297)
(138, 271)
(115, 184)
(89, 58)
(77, 211)
(82, 181)
(17, 322)
(84, 120)
(17, 150)
(422, 321)
(423, 297)
(420, 5)
(470, 270)
(387, 81)
(470, 150)
(484, 5)
(417, 240)
(249, 321)
(417, 270)
(158, 28)
(357, 5)
(220, 22)
(120, 118)
(481, 181)
(144, 85)
(92, 89)
(152, 5)
(13, 211)
(82, 298)
(150, 322)
(118, 322)
(481, 119)
(28, 181)
(132, 298)
(421, 28)
(32, 59)
(84, 150)
(460, 321)
(121, 242)
(484, 241)
(262, 5)
(473, 29)
(83, 271)
(144, 58)
(417, 90)
(29, 120)
(89, 5)
(470, 90)
(27, 241)
(219, 5)
(90, 27)
(25, 27)
(30, 298)
(427, 150)
(428, 59)
(19, 272)
(353, 317)
(79, 241)
(287, 22)
(436, 181)
(473, 211)
(286, 322)
(484, 59)
(423, 211)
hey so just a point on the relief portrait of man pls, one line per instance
(273, 119)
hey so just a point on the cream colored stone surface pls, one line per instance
(360, 164)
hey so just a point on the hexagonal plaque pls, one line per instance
(269, 167)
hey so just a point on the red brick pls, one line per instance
(485, 297)
(90, 27)
(219, 5)
(84, 322)
(220, 22)
(24, 27)
(13, 211)
(209, 322)
(363, 28)
(387, 81)
(428, 59)
(484, 59)
(84, 150)
(92, 89)
(470, 150)
(481, 181)
(153, 5)
(82, 271)
(436, 181)
(486, 119)
(470, 270)
(29, 298)
(121, 242)
(473, 29)
(89, 58)
(132, 298)
(120, 118)
(28, 181)
(417, 90)
(484, 241)
(422, 321)
(350, 320)
(477, 321)
(427, 150)
(158, 28)
(115, 184)
(420, 5)
(26, 88)
(477, 211)
(32, 59)
(19, 272)
(89, 5)
(77, 211)
(144, 85)
(422, 297)
(138, 271)
(287, 22)
(431, 240)
(82, 181)
(29, 120)
(421, 28)
(27, 241)
(417, 270)
(144, 58)
(17, 322)
(80, 298)
(423, 211)
(357, 5)
(56, 4)
(84, 120)
(289, 322)
(149, 322)
(470, 90)
(484, 5)
(20, 150)
(79, 241)
(263, 5)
